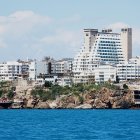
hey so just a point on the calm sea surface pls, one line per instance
(69, 124)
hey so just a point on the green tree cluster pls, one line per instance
(54, 91)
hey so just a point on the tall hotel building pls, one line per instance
(103, 47)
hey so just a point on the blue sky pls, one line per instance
(38, 28)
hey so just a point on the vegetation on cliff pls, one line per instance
(104, 95)
(51, 92)
(6, 90)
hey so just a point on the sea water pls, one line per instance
(69, 124)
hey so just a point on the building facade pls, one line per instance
(129, 70)
(63, 66)
(32, 70)
(105, 73)
(102, 47)
(10, 70)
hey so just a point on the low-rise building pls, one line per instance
(63, 66)
(10, 70)
(101, 73)
(50, 66)
(129, 70)
(104, 73)
(51, 78)
(64, 81)
(84, 77)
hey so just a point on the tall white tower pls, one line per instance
(126, 39)
(89, 38)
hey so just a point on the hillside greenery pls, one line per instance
(50, 91)
(6, 90)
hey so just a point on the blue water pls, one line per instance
(69, 124)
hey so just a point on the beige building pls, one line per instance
(126, 38)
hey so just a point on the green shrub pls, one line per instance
(10, 94)
(81, 99)
(1, 92)
(47, 84)
(125, 86)
(42, 94)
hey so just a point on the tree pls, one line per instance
(117, 79)
(125, 86)
(109, 80)
(10, 94)
(47, 84)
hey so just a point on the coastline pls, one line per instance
(91, 96)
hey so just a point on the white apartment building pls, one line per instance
(45, 67)
(84, 77)
(105, 73)
(129, 70)
(63, 66)
(32, 70)
(100, 74)
(102, 47)
(53, 67)
(64, 81)
(10, 70)
(41, 67)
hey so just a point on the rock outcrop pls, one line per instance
(103, 99)
(84, 106)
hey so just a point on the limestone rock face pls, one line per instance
(71, 105)
(104, 95)
(103, 98)
(30, 103)
(99, 104)
(90, 95)
(28, 93)
(53, 104)
(69, 101)
(42, 105)
(84, 106)
(123, 101)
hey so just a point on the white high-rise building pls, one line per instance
(102, 47)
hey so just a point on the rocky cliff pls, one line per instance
(102, 99)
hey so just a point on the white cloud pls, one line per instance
(63, 37)
(60, 36)
(20, 22)
(28, 16)
(62, 43)
(21, 15)
(25, 30)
